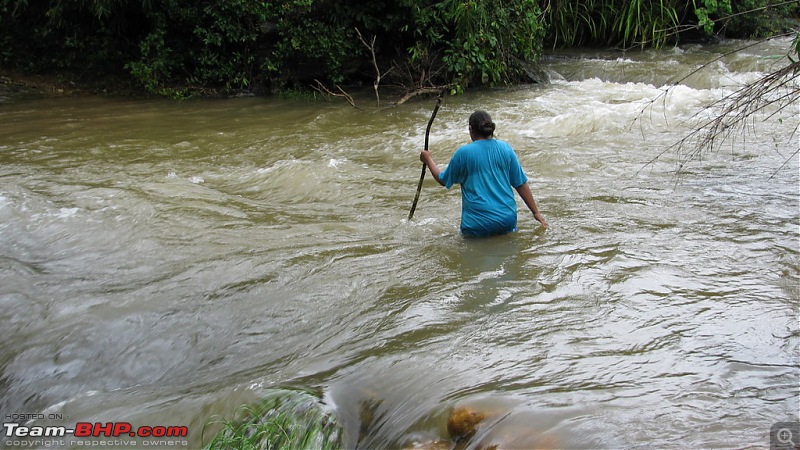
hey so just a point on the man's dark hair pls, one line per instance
(481, 123)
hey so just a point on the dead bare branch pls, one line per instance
(378, 76)
(421, 91)
(322, 89)
(773, 90)
(768, 95)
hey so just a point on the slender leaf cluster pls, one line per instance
(655, 23)
(286, 419)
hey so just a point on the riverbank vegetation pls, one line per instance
(284, 419)
(178, 48)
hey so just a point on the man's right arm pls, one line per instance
(427, 157)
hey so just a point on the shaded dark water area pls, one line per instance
(163, 263)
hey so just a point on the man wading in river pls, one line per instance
(486, 169)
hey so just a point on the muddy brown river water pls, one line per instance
(163, 263)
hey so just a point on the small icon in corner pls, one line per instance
(785, 436)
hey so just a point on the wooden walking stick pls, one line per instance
(424, 167)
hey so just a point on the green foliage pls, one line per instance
(286, 420)
(645, 22)
(235, 44)
(48, 30)
(762, 18)
(796, 47)
(628, 23)
(211, 44)
(178, 48)
(226, 55)
(481, 42)
(625, 23)
(746, 18)
(707, 9)
(156, 63)
(572, 24)
(310, 45)
(6, 49)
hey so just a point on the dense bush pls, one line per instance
(179, 47)
(762, 18)
(630, 23)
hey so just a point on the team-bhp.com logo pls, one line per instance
(97, 429)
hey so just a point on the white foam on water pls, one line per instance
(64, 213)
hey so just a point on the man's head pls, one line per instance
(481, 125)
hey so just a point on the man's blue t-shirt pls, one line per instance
(487, 170)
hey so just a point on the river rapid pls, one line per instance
(163, 263)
